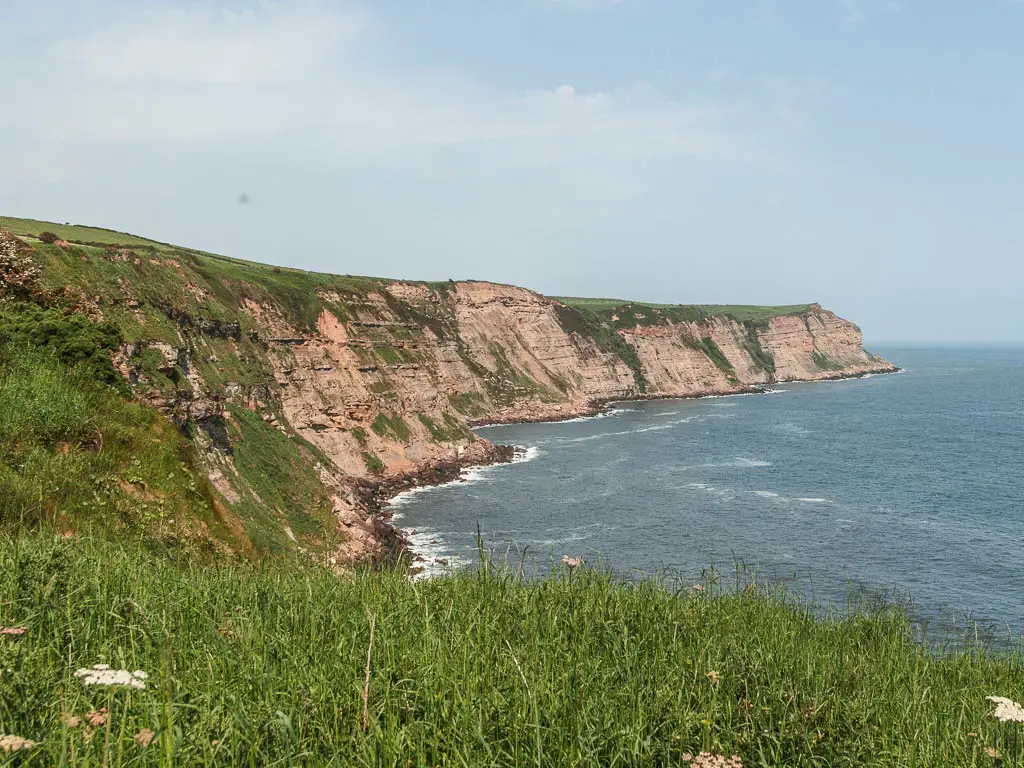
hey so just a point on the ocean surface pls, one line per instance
(911, 484)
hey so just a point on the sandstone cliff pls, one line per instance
(354, 382)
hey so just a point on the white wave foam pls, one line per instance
(701, 486)
(529, 454)
(431, 554)
(589, 437)
(570, 539)
(580, 419)
(767, 494)
(660, 427)
(739, 462)
(474, 474)
(405, 497)
(816, 501)
(790, 428)
(654, 428)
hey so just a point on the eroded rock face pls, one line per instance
(386, 383)
(499, 353)
(818, 345)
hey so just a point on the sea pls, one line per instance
(907, 486)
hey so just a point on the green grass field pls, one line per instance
(276, 666)
(744, 312)
(741, 312)
(75, 233)
(602, 305)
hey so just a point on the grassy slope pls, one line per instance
(75, 451)
(75, 233)
(268, 667)
(285, 281)
(78, 454)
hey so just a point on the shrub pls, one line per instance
(76, 340)
(49, 237)
(712, 350)
(394, 427)
(452, 432)
(373, 462)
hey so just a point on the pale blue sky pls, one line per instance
(867, 154)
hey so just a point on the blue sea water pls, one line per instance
(910, 483)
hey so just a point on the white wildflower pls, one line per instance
(572, 562)
(711, 760)
(144, 737)
(14, 743)
(101, 674)
(1007, 710)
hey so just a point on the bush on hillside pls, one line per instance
(74, 339)
(49, 237)
(19, 274)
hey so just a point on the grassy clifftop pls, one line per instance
(297, 287)
(740, 312)
(280, 666)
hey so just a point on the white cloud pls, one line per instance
(859, 11)
(271, 43)
(303, 83)
(589, 4)
(304, 78)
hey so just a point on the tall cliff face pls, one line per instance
(365, 380)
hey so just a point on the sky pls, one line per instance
(865, 154)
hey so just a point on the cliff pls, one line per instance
(303, 392)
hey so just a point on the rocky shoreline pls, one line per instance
(395, 548)
(595, 407)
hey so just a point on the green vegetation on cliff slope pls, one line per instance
(178, 285)
(286, 666)
(602, 319)
(75, 452)
(78, 453)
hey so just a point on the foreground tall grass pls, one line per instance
(269, 667)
